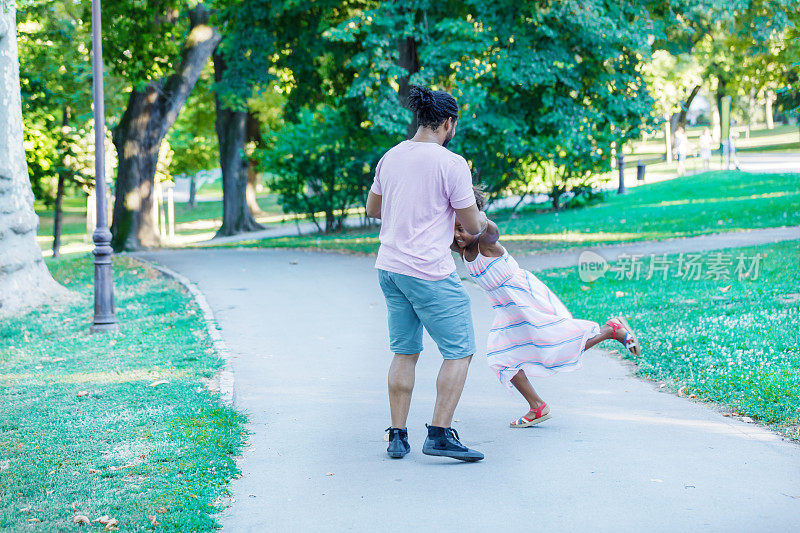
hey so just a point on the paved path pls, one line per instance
(308, 337)
(702, 243)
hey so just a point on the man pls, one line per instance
(420, 188)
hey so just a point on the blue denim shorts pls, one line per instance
(442, 307)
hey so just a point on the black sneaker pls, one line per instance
(445, 442)
(398, 443)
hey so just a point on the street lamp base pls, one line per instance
(102, 328)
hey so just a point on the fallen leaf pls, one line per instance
(82, 393)
(330, 474)
(585, 288)
(682, 391)
(726, 414)
(745, 419)
(5, 464)
(80, 519)
(693, 396)
(49, 492)
(162, 510)
(158, 382)
(195, 496)
(58, 359)
(725, 288)
(94, 471)
(620, 294)
(105, 519)
(153, 520)
(39, 367)
(33, 520)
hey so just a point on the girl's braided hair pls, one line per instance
(480, 196)
(431, 108)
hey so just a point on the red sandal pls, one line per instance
(525, 422)
(629, 339)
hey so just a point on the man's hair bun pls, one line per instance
(431, 108)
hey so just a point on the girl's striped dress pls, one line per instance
(532, 329)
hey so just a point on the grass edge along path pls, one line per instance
(117, 425)
(733, 340)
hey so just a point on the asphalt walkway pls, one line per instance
(307, 335)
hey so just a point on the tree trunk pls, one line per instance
(24, 278)
(409, 60)
(57, 216)
(667, 141)
(254, 135)
(231, 129)
(686, 105)
(192, 192)
(62, 176)
(770, 96)
(151, 112)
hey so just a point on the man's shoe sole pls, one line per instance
(397, 455)
(461, 456)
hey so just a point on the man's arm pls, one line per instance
(491, 235)
(472, 220)
(374, 205)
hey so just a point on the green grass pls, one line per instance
(736, 342)
(706, 203)
(125, 449)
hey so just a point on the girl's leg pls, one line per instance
(520, 381)
(605, 333)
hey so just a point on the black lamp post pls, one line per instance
(104, 316)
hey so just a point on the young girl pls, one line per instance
(533, 333)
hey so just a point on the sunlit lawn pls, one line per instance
(732, 341)
(693, 205)
(83, 428)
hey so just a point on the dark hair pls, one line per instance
(480, 196)
(431, 108)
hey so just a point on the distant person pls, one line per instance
(421, 188)
(681, 149)
(731, 150)
(533, 333)
(705, 148)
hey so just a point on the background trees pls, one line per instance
(546, 90)
(160, 48)
(311, 93)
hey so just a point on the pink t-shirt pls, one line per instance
(420, 184)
